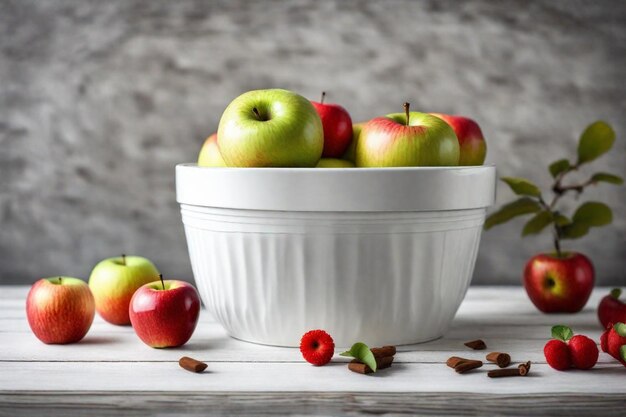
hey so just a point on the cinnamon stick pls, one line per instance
(361, 368)
(192, 365)
(468, 365)
(476, 344)
(383, 352)
(454, 361)
(501, 359)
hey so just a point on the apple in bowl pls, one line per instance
(337, 126)
(60, 310)
(210, 155)
(473, 146)
(165, 313)
(407, 139)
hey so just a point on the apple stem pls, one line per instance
(256, 113)
(323, 97)
(60, 280)
(557, 245)
(406, 111)
(124, 259)
(162, 283)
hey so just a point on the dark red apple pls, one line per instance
(165, 313)
(60, 310)
(611, 309)
(559, 284)
(471, 140)
(337, 126)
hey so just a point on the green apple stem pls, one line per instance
(406, 111)
(256, 113)
(124, 259)
(60, 280)
(162, 283)
(323, 97)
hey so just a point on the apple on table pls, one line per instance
(270, 128)
(337, 126)
(611, 309)
(473, 146)
(60, 310)
(164, 313)
(407, 139)
(113, 282)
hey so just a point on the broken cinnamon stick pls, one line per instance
(361, 368)
(192, 365)
(476, 344)
(501, 359)
(453, 361)
(467, 365)
(524, 368)
(383, 352)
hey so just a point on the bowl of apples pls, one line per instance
(296, 218)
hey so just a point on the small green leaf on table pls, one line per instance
(620, 328)
(616, 292)
(558, 167)
(518, 207)
(537, 223)
(561, 332)
(522, 186)
(622, 352)
(596, 140)
(362, 353)
(606, 177)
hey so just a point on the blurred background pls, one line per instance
(100, 100)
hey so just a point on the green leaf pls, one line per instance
(508, 211)
(622, 352)
(596, 140)
(558, 167)
(590, 214)
(362, 353)
(521, 186)
(537, 223)
(561, 332)
(606, 177)
(620, 328)
(615, 293)
(593, 213)
(561, 220)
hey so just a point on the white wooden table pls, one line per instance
(112, 373)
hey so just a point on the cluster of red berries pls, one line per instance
(613, 341)
(565, 350)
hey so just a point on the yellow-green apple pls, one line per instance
(350, 153)
(471, 139)
(270, 128)
(210, 155)
(113, 282)
(165, 313)
(337, 126)
(334, 163)
(60, 309)
(559, 284)
(407, 139)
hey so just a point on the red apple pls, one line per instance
(407, 139)
(60, 310)
(611, 309)
(337, 126)
(559, 284)
(165, 313)
(471, 139)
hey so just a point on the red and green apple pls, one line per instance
(60, 310)
(165, 313)
(337, 126)
(334, 163)
(350, 153)
(210, 155)
(473, 146)
(113, 282)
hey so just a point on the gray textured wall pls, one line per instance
(99, 100)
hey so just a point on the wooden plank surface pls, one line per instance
(113, 372)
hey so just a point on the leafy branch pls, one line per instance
(596, 140)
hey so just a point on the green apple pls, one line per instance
(210, 155)
(350, 153)
(407, 139)
(113, 282)
(270, 128)
(334, 163)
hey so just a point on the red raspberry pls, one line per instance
(584, 352)
(317, 347)
(557, 355)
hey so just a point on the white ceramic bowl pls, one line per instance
(382, 256)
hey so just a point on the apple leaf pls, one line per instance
(519, 207)
(596, 140)
(558, 167)
(538, 222)
(620, 328)
(522, 186)
(590, 214)
(606, 177)
(615, 293)
(560, 219)
(561, 332)
(362, 353)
